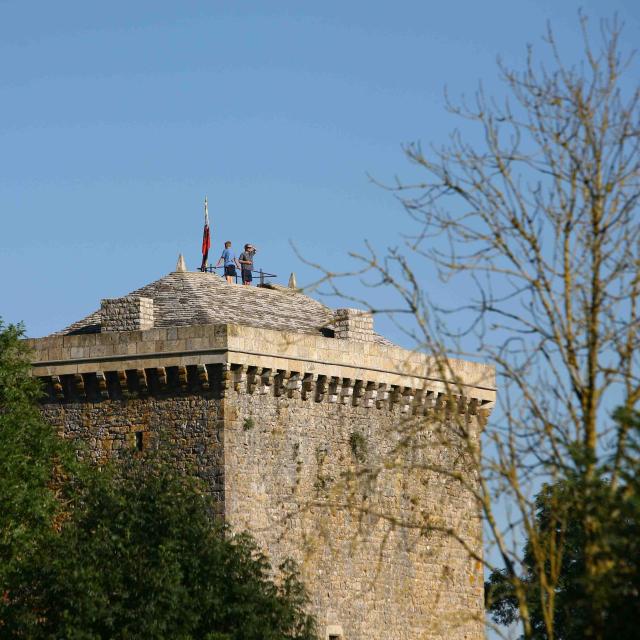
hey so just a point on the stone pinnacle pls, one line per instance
(181, 266)
(292, 281)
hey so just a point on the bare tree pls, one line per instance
(540, 221)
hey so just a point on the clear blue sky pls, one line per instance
(118, 118)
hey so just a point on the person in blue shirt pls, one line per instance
(230, 262)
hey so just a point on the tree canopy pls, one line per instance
(561, 513)
(127, 552)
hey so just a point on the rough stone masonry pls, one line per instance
(284, 408)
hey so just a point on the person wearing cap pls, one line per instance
(230, 262)
(246, 263)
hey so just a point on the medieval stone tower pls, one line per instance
(280, 404)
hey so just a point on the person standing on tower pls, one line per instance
(246, 263)
(230, 262)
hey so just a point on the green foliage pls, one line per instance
(358, 444)
(612, 593)
(248, 424)
(33, 462)
(132, 552)
(143, 558)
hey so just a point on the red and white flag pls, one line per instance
(206, 238)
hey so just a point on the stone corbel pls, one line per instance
(103, 387)
(58, 389)
(225, 379)
(334, 389)
(294, 384)
(183, 377)
(78, 386)
(278, 383)
(430, 398)
(239, 376)
(463, 404)
(162, 378)
(253, 379)
(123, 382)
(383, 395)
(143, 384)
(266, 381)
(203, 376)
(451, 404)
(308, 384)
(419, 401)
(395, 394)
(370, 394)
(346, 392)
(322, 386)
(358, 392)
(406, 399)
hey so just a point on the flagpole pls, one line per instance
(206, 238)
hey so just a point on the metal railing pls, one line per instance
(259, 273)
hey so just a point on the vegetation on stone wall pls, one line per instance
(358, 444)
(132, 554)
(34, 465)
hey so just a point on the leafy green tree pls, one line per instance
(33, 460)
(562, 510)
(143, 558)
(127, 552)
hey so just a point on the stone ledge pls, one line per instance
(205, 344)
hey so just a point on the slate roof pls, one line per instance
(188, 298)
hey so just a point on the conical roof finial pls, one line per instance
(181, 266)
(292, 281)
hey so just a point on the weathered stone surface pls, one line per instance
(278, 464)
(275, 350)
(285, 481)
(131, 313)
(189, 427)
(191, 298)
(354, 324)
(279, 419)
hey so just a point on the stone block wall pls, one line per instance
(285, 430)
(295, 479)
(189, 427)
(354, 324)
(131, 313)
(285, 467)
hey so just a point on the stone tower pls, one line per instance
(279, 403)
